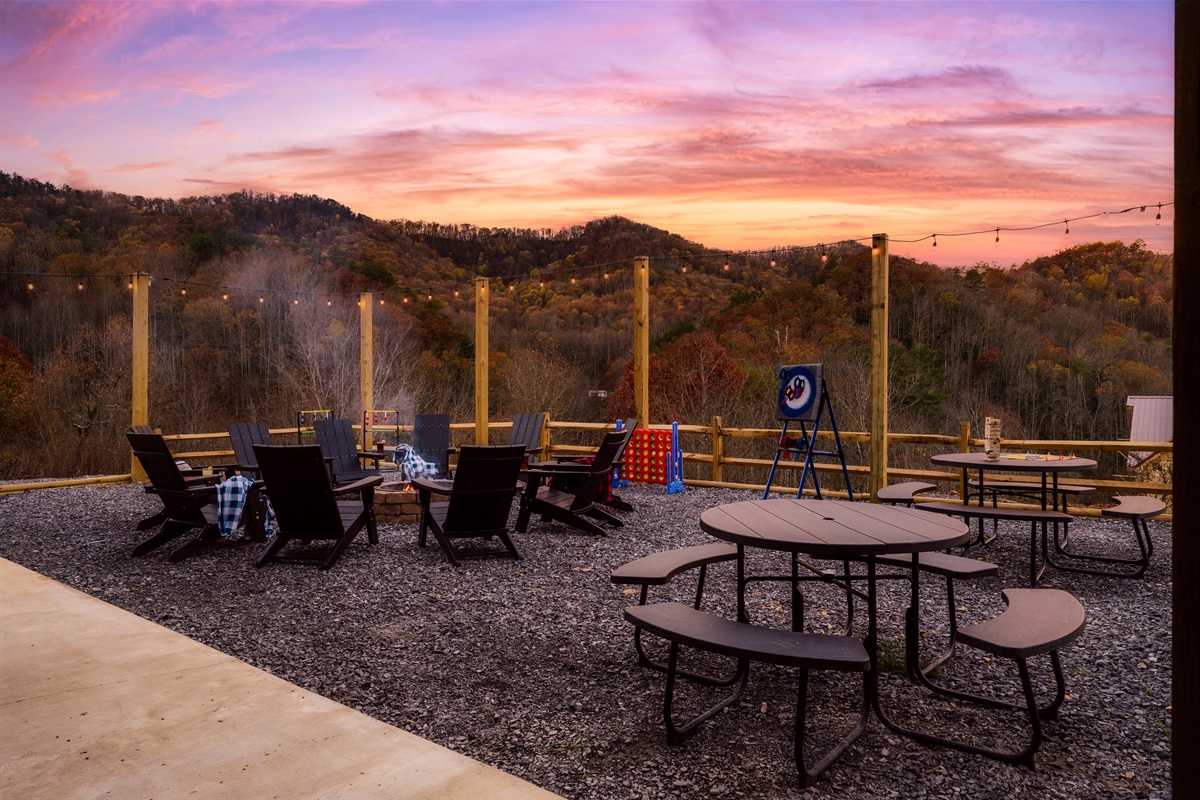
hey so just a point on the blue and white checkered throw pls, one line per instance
(412, 465)
(231, 499)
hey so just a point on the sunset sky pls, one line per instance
(736, 125)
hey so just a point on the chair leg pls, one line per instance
(1141, 533)
(680, 733)
(207, 536)
(170, 529)
(272, 549)
(152, 521)
(807, 775)
(1035, 714)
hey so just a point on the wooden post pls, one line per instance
(481, 361)
(964, 446)
(140, 402)
(718, 450)
(544, 441)
(366, 361)
(641, 339)
(1185, 595)
(879, 362)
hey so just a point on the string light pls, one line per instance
(80, 286)
(997, 237)
(935, 240)
(29, 286)
(684, 269)
(572, 280)
(1158, 216)
(1067, 231)
(726, 268)
(225, 296)
(295, 301)
(824, 255)
(183, 292)
(381, 301)
(129, 285)
(456, 293)
(329, 302)
(262, 299)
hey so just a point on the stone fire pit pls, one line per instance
(396, 502)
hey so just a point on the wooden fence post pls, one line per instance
(879, 363)
(718, 450)
(140, 402)
(641, 339)
(964, 446)
(366, 358)
(481, 361)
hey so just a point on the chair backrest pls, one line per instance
(585, 494)
(243, 436)
(628, 426)
(431, 440)
(527, 431)
(156, 459)
(301, 492)
(485, 482)
(339, 443)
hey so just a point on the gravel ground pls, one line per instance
(529, 666)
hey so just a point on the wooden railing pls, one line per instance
(184, 447)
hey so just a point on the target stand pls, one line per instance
(804, 401)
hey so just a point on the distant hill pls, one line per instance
(1053, 346)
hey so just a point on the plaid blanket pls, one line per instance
(412, 465)
(231, 499)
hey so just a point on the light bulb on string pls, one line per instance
(1158, 216)
(329, 303)
(129, 285)
(381, 301)
(572, 281)
(1067, 231)
(727, 266)
(541, 284)
(225, 296)
(79, 286)
(935, 240)
(295, 301)
(183, 292)
(456, 293)
(824, 255)
(29, 286)
(262, 299)
(683, 269)
(997, 237)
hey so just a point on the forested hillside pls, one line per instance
(254, 316)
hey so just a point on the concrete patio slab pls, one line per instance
(95, 701)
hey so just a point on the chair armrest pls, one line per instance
(370, 482)
(432, 485)
(203, 480)
(376, 457)
(561, 466)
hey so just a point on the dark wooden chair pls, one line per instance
(481, 495)
(527, 431)
(243, 436)
(339, 443)
(306, 503)
(571, 506)
(431, 440)
(565, 464)
(187, 505)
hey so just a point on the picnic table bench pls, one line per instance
(1036, 517)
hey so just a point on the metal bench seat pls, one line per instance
(1036, 622)
(682, 625)
(903, 492)
(659, 569)
(1137, 510)
(1036, 517)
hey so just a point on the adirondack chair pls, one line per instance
(527, 431)
(306, 503)
(481, 495)
(431, 440)
(571, 506)
(193, 477)
(570, 465)
(186, 505)
(339, 443)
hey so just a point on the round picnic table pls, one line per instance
(831, 529)
(1049, 467)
